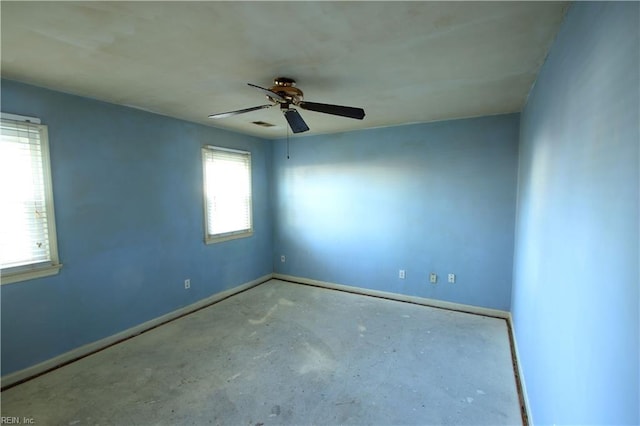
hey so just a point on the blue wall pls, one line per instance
(129, 212)
(354, 208)
(575, 295)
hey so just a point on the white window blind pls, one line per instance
(227, 190)
(27, 226)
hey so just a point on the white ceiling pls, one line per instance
(403, 62)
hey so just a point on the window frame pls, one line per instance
(51, 267)
(231, 235)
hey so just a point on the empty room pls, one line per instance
(263, 213)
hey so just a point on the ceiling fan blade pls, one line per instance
(240, 111)
(295, 121)
(273, 95)
(342, 111)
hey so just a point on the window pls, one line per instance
(28, 247)
(227, 194)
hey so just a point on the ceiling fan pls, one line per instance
(285, 94)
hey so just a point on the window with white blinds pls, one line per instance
(227, 194)
(28, 247)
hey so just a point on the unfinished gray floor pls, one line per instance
(284, 353)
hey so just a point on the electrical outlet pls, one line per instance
(401, 274)
(433, 278)
(283, 258)
(452, 278)
(187, 284)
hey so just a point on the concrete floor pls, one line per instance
(284, 353)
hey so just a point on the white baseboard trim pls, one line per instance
(398, 297)
(90, 348)
(520, 378)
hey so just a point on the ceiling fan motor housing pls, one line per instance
(285, 87)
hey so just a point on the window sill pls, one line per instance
(11, 277)
(212, 239)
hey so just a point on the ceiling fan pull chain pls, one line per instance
(287, 142)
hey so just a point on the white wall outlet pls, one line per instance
(452, 278)
(187, 284)
(401, 274)
(283, 258)
(433, 278)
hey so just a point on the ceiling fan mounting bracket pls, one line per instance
(284, 81)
